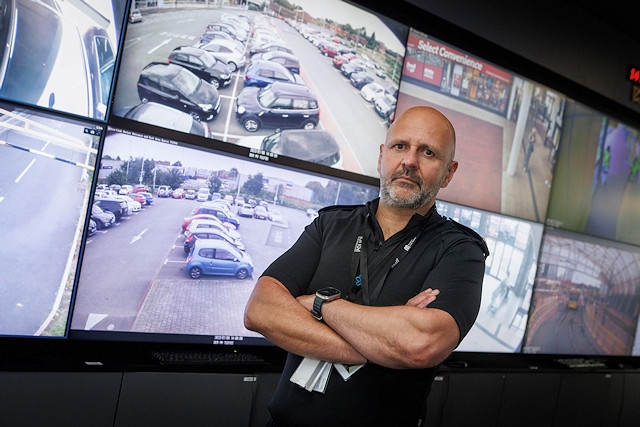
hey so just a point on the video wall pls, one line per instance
(159, 155)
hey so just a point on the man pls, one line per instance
(389, 259)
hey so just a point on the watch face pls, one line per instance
(328, 292)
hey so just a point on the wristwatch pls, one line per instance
(323, 295)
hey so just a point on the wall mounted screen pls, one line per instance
(140, 279)
(60, 55)
(47, 164)
(215, 63)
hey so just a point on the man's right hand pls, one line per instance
(424, 298)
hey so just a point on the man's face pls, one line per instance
(416, 160)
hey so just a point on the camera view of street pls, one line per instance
(46, 165)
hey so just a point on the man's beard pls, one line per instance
(390, 193)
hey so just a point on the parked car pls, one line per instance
(317, 146)
(177, 87)
(203, 194)
(190, 194)
(385, 105)
(331, 49)
(360, 79)
(178, 193)
(148, 197)
(279, 105)
(261, 73)
(260, 212)
(92, 228)
(222, 214)
(245, 209)
(135, 16)
(164, 191)
(211, 233)
(287, 60)
(269, 47)
(232, 30)
(217, 257)
(103, 219)
(225, 50)
(353, 66)
(203, 64)
(117, 207)
(371, 90)
(138, 198)
(197, 224)
(168, 117)
(125, 189)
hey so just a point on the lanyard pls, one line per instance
(388, 259)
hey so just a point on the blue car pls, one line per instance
(262, 73)
(218, 257)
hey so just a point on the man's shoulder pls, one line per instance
(464, 232)
(338, 208)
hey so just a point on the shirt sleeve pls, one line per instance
(459, 275)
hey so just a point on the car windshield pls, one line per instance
(186, 82)
(266, 97)
(208, 60)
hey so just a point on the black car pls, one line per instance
(103, 219)
(203, 64)
(360, 79)
(117, 207)
(177, 87)
(317, 146)
(351, 67)
(287, 60)
(278, 105)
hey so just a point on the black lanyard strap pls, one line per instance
(391, 255)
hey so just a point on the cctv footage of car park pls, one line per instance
(187, 262)
(249, 74)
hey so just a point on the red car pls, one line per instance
(138, 198)
(188, 220)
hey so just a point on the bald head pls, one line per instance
(419, 116)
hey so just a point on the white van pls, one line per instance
(203, 194)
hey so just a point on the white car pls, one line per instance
(211, 223)
(245, 209)
(203, 194)
(225, 50)
(371, 91)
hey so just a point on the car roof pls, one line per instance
(162, 69)
(160, 115)
(306, 144)
(292, 89)
(191, 50)
(216, 244)
(281, 54)
(263, 63)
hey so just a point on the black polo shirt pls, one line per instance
(442, 254)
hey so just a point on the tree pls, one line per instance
(117, 177)
(214, 183)
(254, 185)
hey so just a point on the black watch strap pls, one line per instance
(317, 307)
